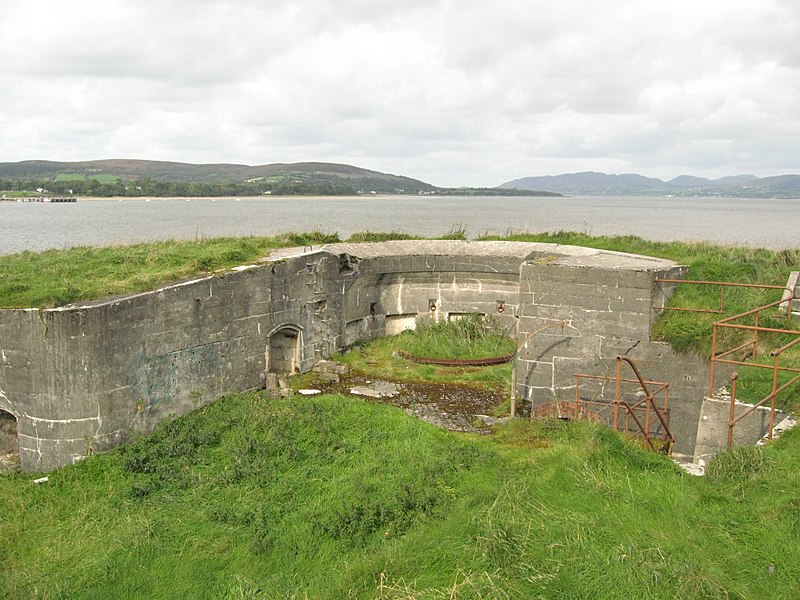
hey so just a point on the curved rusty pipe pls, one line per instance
(638, 375)
(649, 398)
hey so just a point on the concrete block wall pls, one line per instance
(83, 378)
(608, 310)
(712, 431)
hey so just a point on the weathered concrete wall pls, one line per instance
(792, 293)
(83, 378)
(712, 431)
(609, 303)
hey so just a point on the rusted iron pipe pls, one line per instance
(732, 350)
(767, 397)
(732, 415)
(786, 347)
(649, 396)
(712, 368)
(723, 285)
(788, 292)
(636, 372)
(750, 312)
(761, 329)
(623, 379)
(765, 286)
(457, 362)
(630, 413)
(757, 365)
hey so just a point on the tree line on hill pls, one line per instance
(151, 187)
(284, 186)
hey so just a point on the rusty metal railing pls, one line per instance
(755, 329)
(722, 285)
(748, 350)
(646, 405)
(752, 347)
(771, 397)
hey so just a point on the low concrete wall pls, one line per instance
(84, 377)
(712, 430)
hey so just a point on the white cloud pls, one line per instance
(456, 93)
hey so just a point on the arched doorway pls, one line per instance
(283, 352)
(9, 442)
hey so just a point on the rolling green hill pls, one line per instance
(122, 177)
(280, 178)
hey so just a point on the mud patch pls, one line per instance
(450, 406)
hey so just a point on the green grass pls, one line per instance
(58, 277)
(380, 236)
(470, 336)
(379, 359)
(101, 177)
(337, 498)
(20, 193)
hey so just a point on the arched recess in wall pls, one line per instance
(284, 349)
(9, 441)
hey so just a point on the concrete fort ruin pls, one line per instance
(83, 378)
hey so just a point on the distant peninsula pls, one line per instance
(119, 177)
(594, 183)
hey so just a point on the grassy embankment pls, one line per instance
(59, 277)
(336, 498)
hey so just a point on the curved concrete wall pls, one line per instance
(84, 377)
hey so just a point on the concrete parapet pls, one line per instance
(84, 377)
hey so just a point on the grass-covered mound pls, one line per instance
(337, 498)
(58, 277)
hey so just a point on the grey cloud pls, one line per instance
(458, 93)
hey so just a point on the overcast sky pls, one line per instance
(467, 92)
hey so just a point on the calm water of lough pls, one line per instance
(740, 221)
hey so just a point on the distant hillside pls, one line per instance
(314, 176)
(120, 177)
(593, 183)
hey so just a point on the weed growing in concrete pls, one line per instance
(469, 336)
